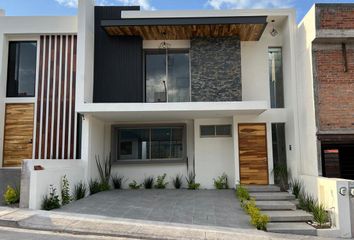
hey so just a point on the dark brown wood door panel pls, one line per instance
(18, 133)
(253, 153)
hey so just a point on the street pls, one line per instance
(16, 233)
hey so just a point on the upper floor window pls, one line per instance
(167, 76)
(21, 70)
(276, 77)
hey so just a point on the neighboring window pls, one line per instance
(276, 78)
(150, 143)
(215, 131)
(167, 76)
(21, 73)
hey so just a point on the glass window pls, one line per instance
(279, 146)
(215, 131)
(21, 74)
(167, 76)
(223, 130)
(150, 143)
(134, 144)
(276, 77)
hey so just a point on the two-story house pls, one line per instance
(179, 92)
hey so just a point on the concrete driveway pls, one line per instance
(201, 207)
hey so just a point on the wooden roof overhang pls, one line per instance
(247, 28)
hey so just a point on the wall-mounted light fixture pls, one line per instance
(274, 32)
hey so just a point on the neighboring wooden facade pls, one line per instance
(253, 153)
(18, 142)
(45, 129)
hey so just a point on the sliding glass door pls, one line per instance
(167, 76)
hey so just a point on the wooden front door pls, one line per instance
(18, 133)
(253, 153)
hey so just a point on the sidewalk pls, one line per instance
(120, 227)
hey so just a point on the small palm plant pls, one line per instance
(148, 182)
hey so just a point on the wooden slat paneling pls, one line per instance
(55, 109)
(253, 153)
(247, 32)
(18, 133)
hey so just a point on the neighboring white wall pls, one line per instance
(326, 191)
(85, 52)
(39, 181)
(213, 156)
(306, 106)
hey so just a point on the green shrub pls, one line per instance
(134, 185)
(117, 181)
(177, 181)
(148, 182)
(320, 215)
(258, 219)
(52, 201)
(221, 182)
(12, 195)
(192, 185)
(160, 182)
(65, 191)
(296, 187)
(242, 193)
(94, 186)
(104, 172)
(80, 190)
(307, 202)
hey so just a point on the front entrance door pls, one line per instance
(253, 153)
(18, 134)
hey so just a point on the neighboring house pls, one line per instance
(327, 45)
(176, 92)
(325, 74)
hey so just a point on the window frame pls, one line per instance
(215, 135)
(276, 104)
(160, 51)
(115, 143)
(20, 39)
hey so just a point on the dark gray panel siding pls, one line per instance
(216, 69)
(118, 67)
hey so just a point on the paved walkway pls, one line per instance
(202, 207)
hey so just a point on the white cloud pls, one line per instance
(241, 4)
(144, 4)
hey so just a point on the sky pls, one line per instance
(69, 7)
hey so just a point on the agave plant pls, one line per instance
(104, 171)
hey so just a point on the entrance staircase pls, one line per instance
(284, 217)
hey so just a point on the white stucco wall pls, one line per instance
(213, 155)
(39, 181)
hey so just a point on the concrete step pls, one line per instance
(299, 228)
(288, 216)
(272, 196)
(275, 205)
(262, 188)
